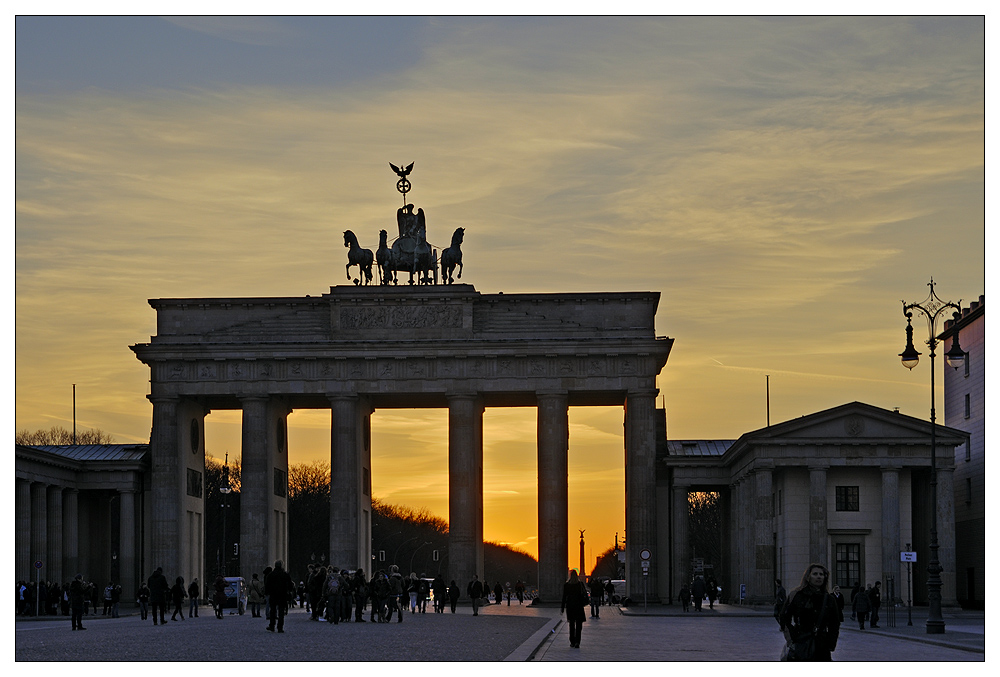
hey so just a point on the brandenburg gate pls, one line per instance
(360, 348)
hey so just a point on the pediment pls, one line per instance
(852, 422)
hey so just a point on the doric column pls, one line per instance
(763, 536)
(167, 488)
(126, 545)
(465, 486)
(345, 482)
(553, 494)
(890, 529)
(54, 533)
(946, 535)
(818, 551)
(640, 491)
(39, 523)
(679, 514)
(71, 533)
(255, 487)
(22, 530)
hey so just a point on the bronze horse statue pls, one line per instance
(452, 256)
(362, 258)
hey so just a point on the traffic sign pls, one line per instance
(38, 564)
(907, 556)
(645, 554)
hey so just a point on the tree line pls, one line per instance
(414, 540)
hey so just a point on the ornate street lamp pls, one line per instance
(933, 308)
(225, 490)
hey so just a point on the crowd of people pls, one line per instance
(49, 598)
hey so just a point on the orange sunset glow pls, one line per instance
(783, 183)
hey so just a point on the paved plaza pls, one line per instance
(499, 633)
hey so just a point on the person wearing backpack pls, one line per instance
(193, 592)
(333, 601)
(454, 594)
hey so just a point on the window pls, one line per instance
(968, 450)
(848, 564)
(847, 499)
(193, 483)
(968, 407)
(779, 501)
(280, 482)
(968, 491)
(967, 356)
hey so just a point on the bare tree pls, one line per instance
(59, 435)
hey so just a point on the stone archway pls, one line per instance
(357, 349)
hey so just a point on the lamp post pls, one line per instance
(933, 307)
(415, 553)
(400, 546)
(225, 490)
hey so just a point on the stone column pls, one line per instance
(946, 535)
(640, 491)
(71, 531)
(22, 530)
(168, 488)
(679, 515)
(553, 494)
(736, 556)
(39, 533)
(818, 551)
(345, 483)
(54, 533)
(126, 545)
(255, 487)
(763, 536)
(465, 487)
(890, 531)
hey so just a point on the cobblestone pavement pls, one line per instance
(501, 632)
(420, 637)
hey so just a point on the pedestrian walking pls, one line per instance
(142, 597)
(519, 591)
(397, 588)
(423, 593)
(475, 592)
(453, 594)
(875, 597)
(177, 594)
(698, 592)
(360, 589)
(854, 593)
(839, 596)
(498, 592)
(219, 596)
(440, 591)
(574, 601)
(810, 621)
(780, 597)
(116, 598)
(107, 598)
(862, 607)
(278, 587)
(596, 595)
(685, 597)
(713, 592)
(255, 595)
(76, 592)
(413, 589)
(158, 588)
(194, 591)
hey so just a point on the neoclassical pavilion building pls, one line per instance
(847, 487)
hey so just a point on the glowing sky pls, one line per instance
(783, 183)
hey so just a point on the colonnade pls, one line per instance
(263, 522)
(48, 526)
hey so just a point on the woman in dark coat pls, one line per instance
(498, 592)
(177, 596)
(220, 594)
(811, 608)
(574, 602)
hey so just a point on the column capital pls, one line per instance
(253, 398)
(343, 397)
(642, 392)
(551, 394)
(462, 396)
(818, 466)
(891, 466)
(163, 399)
